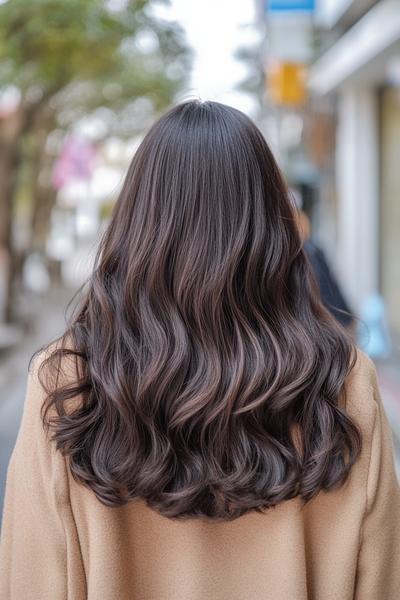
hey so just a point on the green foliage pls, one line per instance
(69, 58)
(106, 209)
(47, 45)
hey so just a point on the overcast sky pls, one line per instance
(215, 28)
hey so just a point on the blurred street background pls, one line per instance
(80, 83)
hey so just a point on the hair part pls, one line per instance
(207, 377)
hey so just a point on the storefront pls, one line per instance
(360, 73)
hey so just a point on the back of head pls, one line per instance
(201, 340)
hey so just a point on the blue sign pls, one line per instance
(290, 5)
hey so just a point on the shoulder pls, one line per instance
(52, 369)
(33, 439)
(362, 396)
(363, 372)
(50, 392)
(35, 459)
(60, 358)
(60, 350)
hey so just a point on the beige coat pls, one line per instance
(60, 543)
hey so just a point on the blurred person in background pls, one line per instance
(329, 288)
(203, 428)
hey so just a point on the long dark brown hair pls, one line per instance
(201, 349)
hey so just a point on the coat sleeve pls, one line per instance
(378, 571)
(39, 552)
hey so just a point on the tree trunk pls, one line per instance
(43, 193)
(12, 133)
(9, 165)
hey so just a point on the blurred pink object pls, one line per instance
(76, 161)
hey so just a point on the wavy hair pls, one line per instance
(207, 375)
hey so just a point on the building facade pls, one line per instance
(357, 70)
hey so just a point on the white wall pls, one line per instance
(328, 12)
(357, 172)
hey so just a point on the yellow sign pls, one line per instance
(286, 82)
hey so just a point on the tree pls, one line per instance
(70, 58)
